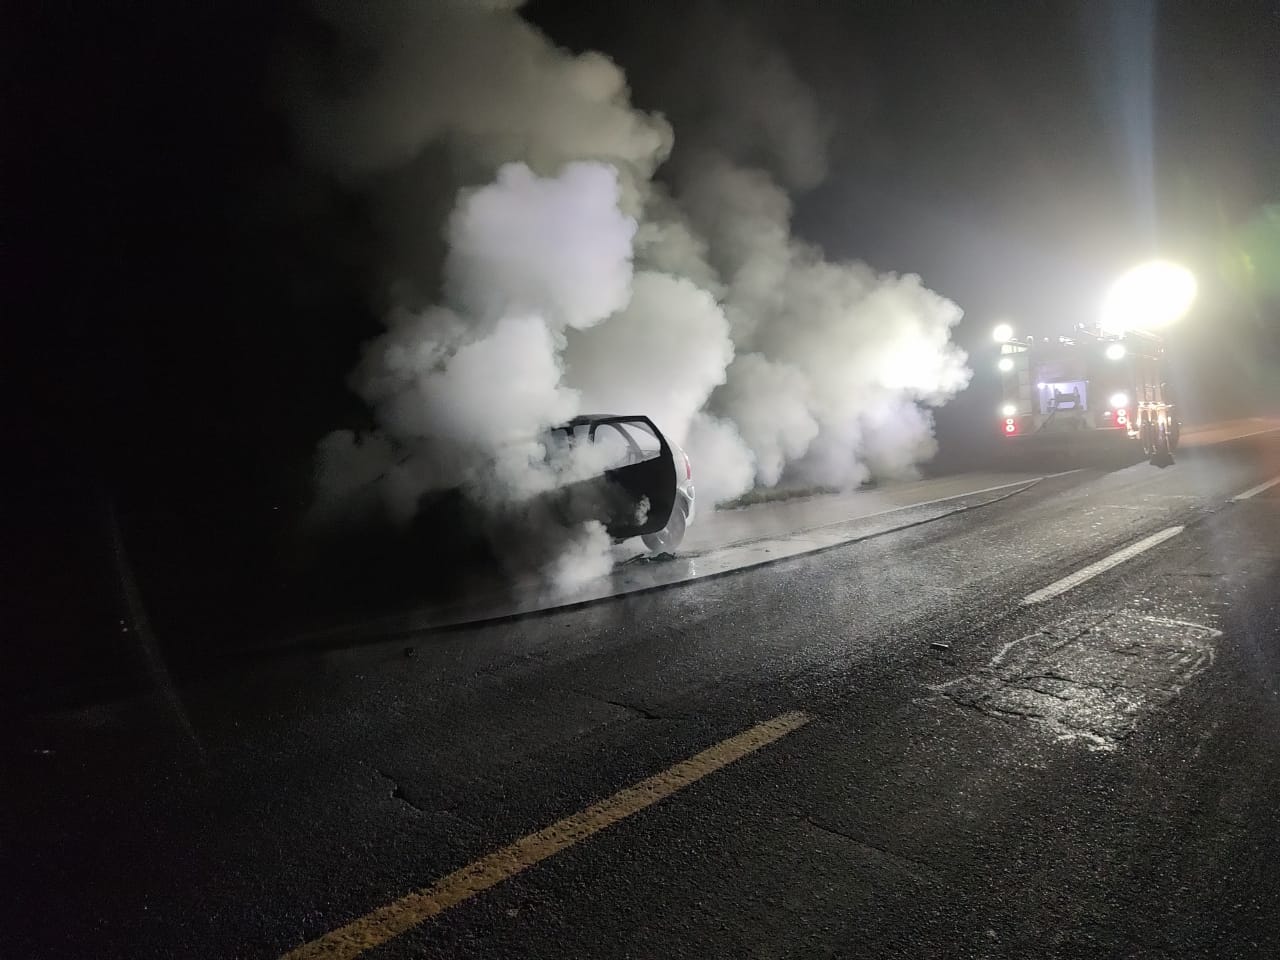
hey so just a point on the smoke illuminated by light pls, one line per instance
(1148, 297)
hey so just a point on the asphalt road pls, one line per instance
(945, 770)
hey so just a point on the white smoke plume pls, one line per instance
(471, 75)
(575, 282)
(586, 556)
(461, 392)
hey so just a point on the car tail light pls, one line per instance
(1122, 417)
(1010, 427)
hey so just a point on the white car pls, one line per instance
(645, 488)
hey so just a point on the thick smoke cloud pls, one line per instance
(726, 89)
(462, 392)
(573, 281)
(410, 73)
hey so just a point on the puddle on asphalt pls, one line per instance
(1091, 677)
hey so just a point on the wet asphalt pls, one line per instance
(1094, 775)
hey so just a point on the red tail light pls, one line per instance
(1010, 427)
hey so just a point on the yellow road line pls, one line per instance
(387, 922)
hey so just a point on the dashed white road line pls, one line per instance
(1254, 491)
(1102, 566)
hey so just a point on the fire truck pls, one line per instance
(1089, 388)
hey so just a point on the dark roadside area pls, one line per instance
(118, 594)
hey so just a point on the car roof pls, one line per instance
(584, 418)
(595, 419)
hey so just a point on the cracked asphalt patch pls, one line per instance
(398, 793)
(1089, 677)
(636, 709)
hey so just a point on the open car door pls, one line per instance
(636, 491)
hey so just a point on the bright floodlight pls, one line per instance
(1008, 410)
(1119, 400)
(1005, 364)
(1148, 297)
(1002, 333)
(1116, 351)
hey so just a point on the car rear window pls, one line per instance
(625, 443)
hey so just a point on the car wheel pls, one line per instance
(669, 537)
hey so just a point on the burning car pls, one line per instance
(634, 480)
